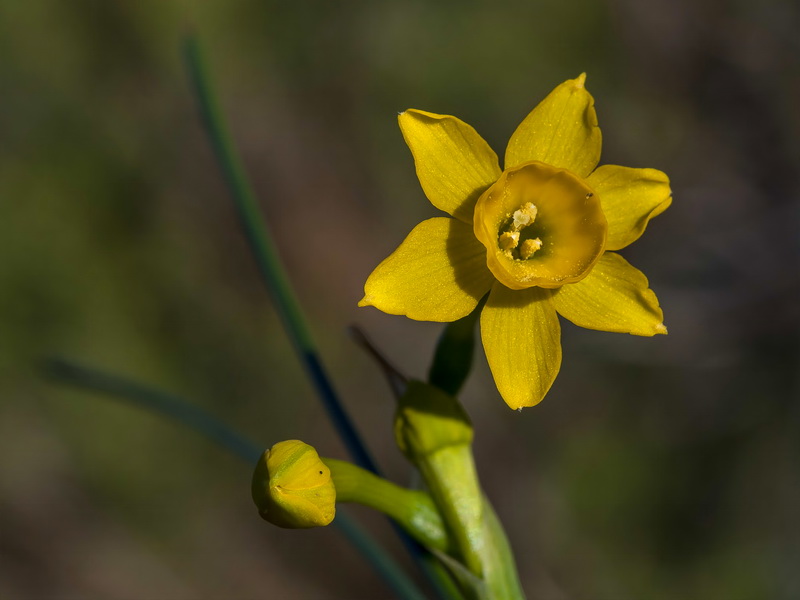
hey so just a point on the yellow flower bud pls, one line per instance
(293, 488)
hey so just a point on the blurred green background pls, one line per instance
(655, 469)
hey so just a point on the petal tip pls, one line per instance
(411, 113)
(517, 406)
(365, 301)
(661, 328)
(580, 81)
(519, 401)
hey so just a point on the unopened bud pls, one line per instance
(293, 488)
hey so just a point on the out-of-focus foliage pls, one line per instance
(655, 469)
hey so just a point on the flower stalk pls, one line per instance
(435, 434)
(413, 510)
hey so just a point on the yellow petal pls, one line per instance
(454, 164)
(437, 274)
(630, 198)
(522, 340)
(614, 297)
(562, 131)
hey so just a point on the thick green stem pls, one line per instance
(500, 568)
(413, 510)
(434, 432)
(453, 483)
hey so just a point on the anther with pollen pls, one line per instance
(509, 239)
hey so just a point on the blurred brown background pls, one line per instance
(655, 469)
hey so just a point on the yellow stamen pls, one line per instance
(529, 248)
(524, 216)
(509, 240)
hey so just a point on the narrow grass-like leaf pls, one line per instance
(279, 287)
(266, 256)
(192, 417)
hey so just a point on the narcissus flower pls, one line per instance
(538, 237)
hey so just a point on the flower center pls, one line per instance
(509, 240)
(541, 226)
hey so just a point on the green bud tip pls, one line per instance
(293, 488)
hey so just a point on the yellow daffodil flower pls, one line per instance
(538, 236)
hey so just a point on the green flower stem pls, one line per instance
(452, 479)
(266, 255)
(499, 564)
(453, 482)
(434, 432)
(413, 510)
